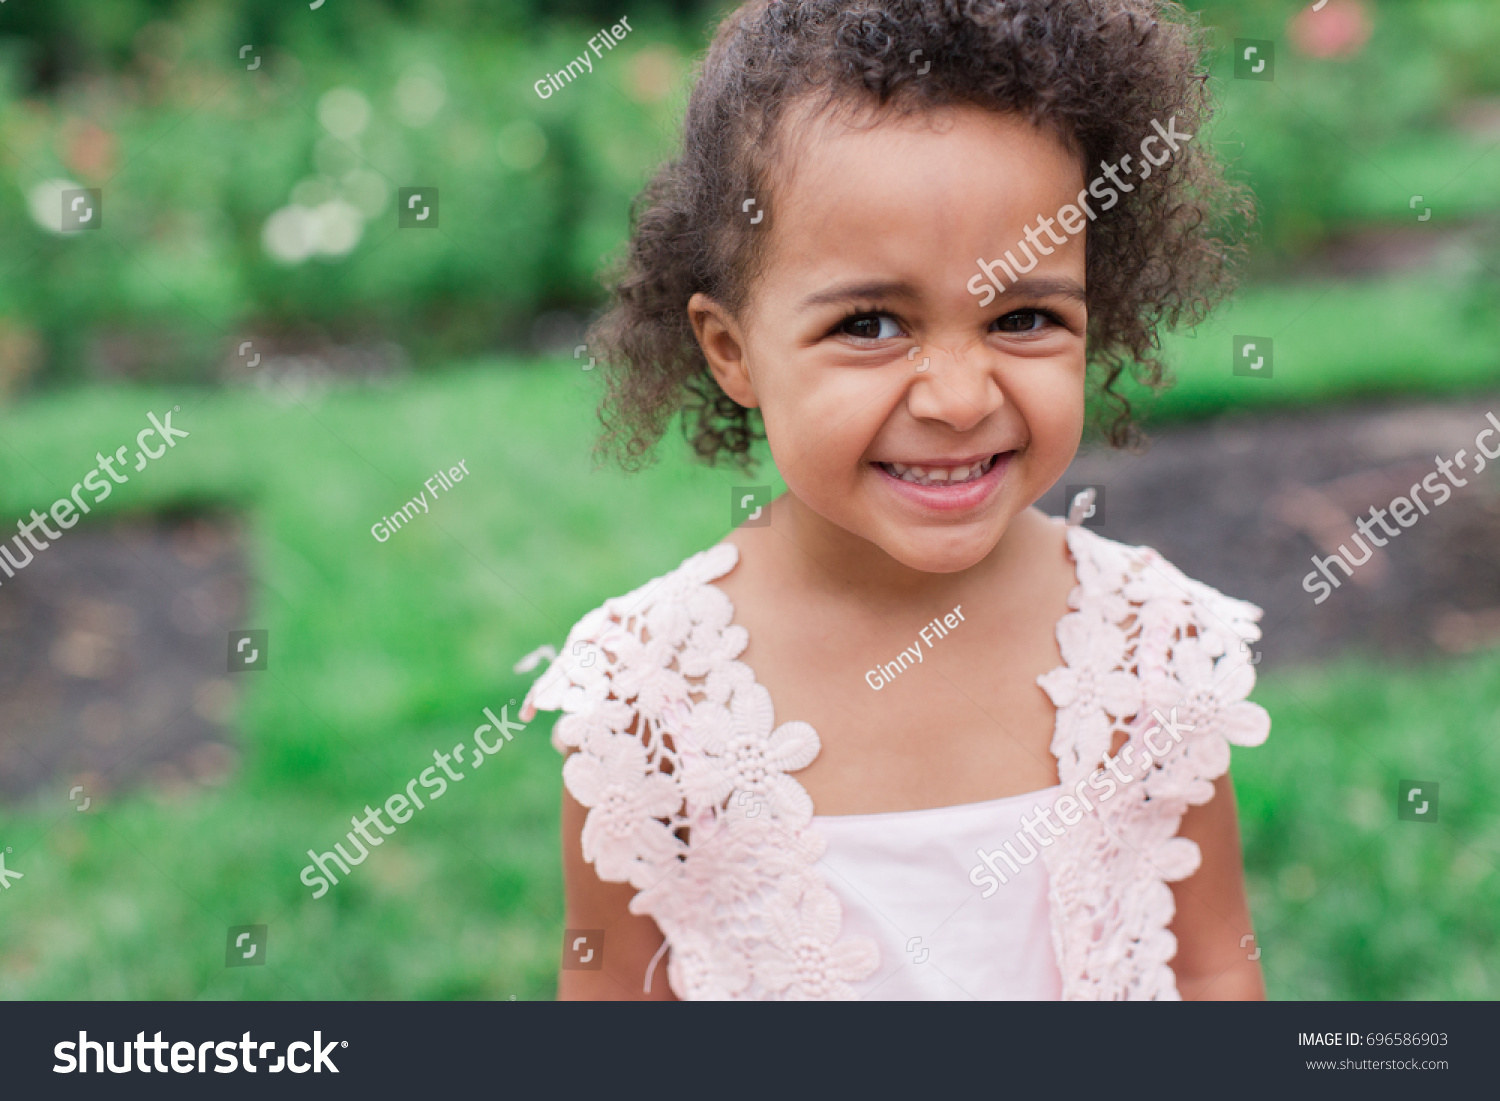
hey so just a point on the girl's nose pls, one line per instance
(959, 388)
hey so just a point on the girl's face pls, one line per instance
(896, 407)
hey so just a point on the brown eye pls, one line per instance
(870, 326)
(1021, 321)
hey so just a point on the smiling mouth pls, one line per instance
(928, 475)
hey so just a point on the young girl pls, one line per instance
(912, 738)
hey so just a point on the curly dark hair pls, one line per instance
(1095, 72)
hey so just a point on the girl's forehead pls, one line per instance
(955, 144)
(907, 203)
(959, 160)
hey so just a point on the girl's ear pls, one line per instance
(723, 346)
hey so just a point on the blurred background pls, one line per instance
(245, 268)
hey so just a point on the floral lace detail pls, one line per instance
(685, 777)
(1143, 639)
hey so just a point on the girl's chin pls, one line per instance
(940, 552)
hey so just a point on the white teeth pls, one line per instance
(939, 475)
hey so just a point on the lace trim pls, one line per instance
(690, 797)
(1143, 642)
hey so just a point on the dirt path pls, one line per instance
(113, 658)
(1244, 503)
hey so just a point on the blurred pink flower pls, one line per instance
(87, 149)
(1339, 31)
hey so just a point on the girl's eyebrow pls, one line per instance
(1046, 287)
(870, 289)
(878, 290)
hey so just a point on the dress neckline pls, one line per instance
(731, 554)
(955, 809)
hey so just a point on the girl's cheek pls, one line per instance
(810, 455)
(1058, 428)
(822, 417)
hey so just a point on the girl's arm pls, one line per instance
(1213, 914)
(630, 941)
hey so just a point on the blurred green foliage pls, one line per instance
(196, 154)
(68, 39)
(1339, 143)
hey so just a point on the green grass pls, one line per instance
(1426, 335)
(382, 653)
(1350, 902)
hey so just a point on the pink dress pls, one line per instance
(693, 800)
